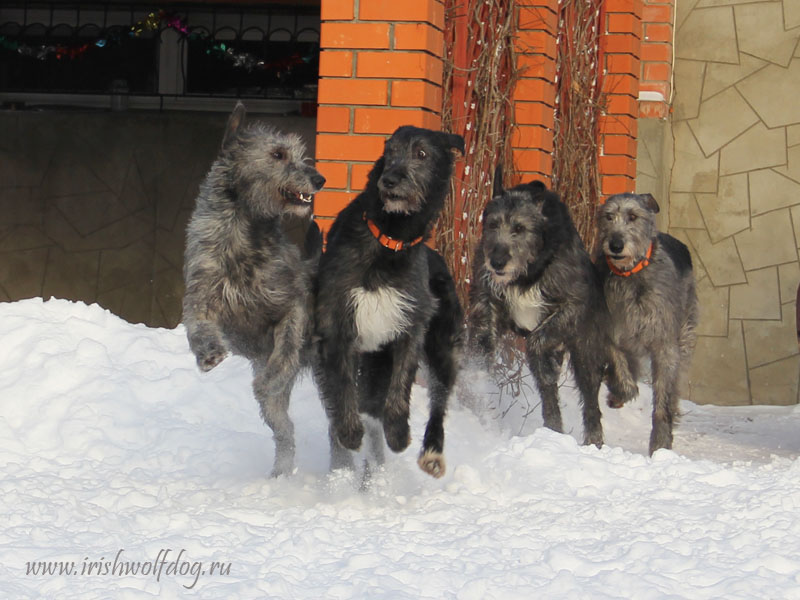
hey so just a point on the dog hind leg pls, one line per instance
(442, 343)
(373, 384)
(272, 385)
(274, 404)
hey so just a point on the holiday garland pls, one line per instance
(153, 22)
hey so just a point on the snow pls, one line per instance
(116, 451)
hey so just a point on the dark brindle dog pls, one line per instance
(650, 291)
(383, 299)
(247, 287)
(533, 276)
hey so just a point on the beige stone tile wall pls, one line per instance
(734, 192)
(94, 205)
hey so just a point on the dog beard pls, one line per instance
(394, 203)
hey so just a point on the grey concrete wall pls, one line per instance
(93, 205)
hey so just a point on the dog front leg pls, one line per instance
(335, 371)
(396, 411)
(621, 376)
(204, 335)
(666, 365)
(545, 365)
(588, 370)
(482, 332)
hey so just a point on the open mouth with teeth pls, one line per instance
(299, 198)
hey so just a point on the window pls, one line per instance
(184, 55)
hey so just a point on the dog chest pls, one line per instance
(526, 308)
(380, 315)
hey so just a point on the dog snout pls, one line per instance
(499, 258)
(318, 181)
(616, 244)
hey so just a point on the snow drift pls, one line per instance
(128, 474)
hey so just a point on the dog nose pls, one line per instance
(498, 264)
(389, 180)
(498, 260)
(318, 181)
(616, 245)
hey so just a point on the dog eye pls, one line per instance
(518, 229)
(632, 217)
(278, 155)
(421, 153)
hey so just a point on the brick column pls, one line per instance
(655, 87)
(380, 67)
(535, 92)
(620, 58)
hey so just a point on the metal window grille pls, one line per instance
(159, 54)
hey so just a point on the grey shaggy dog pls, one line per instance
(247, 286)
(384, 300)
(650, 291)
(534, 278)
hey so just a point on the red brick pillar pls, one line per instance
(655, 86)
(535, 93)
(620, 59)
(380, 67)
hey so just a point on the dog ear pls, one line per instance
(235, 122)
(497, 188)
(650, 203)
(455, 142)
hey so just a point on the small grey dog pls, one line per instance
(534, 278)
(248, 289)
(650, 291)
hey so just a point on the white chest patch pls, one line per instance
(381, 315)
(526, 308)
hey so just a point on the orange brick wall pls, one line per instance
(380, 67)
(656, 73)
(535, 92)
(620, 59)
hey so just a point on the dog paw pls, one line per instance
(614, 401)
(594, 437)
(397, 433)
(350, 436)
(210, 357)
(660, 437)
(432, 463)
(619, 395)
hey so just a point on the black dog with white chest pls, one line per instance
(384, 299)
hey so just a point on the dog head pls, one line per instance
(523, 227)
(267, 170)
(626, 225)
(413, 173)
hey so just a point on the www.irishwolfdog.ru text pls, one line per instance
(167, 563)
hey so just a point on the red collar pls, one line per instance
(638, 267)
(386, 241)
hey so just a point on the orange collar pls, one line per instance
(638, 267)
(386, 241)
